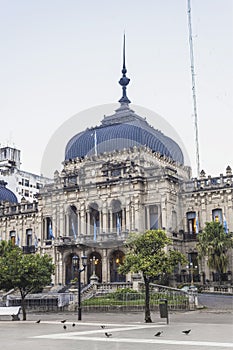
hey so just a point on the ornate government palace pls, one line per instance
(119, 177)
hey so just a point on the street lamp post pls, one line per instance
(94, 278)
(76, 266)
(191, 268)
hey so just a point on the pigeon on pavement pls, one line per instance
(108, 334)
(38, 321)
(158, 334)
(187, 332)
(63, 321)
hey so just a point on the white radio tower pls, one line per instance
(193, 88)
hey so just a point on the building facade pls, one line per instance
(120, 177)
(23, 183)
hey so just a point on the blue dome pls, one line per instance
(6, 195)
(122, 130)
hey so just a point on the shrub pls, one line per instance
(122, 293)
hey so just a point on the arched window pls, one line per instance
(73, 221)
(94, 219)
(116, 216)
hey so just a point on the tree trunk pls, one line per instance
(23, 307)
(147, 300)
(220, 278)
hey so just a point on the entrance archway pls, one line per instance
(115, 261)
(69, 272)
(94, 266)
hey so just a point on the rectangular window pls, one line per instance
(191, 222)
(153, 212)
(217, 215)
(29, 237)
(13, 237)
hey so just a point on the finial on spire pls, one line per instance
(124, 81)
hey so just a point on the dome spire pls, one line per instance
(124, 81)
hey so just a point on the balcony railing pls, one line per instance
(29, 249)
(189, 236)
(82, 238)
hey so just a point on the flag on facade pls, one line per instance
(95, 142)
(36, 242)
(73, 229)
(118, 224)
(51, 236)
(95, 137)
(225, 224)
(95, 229)
(17, 240)
(197, 224)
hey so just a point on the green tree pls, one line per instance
(146, 254)
(26, 272)
(5, 247)
(214, 244)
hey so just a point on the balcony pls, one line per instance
(189, 236)
(89, 240)
(29, 249)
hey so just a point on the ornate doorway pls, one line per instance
(94, 267)
(115, 261)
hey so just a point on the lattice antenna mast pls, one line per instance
(193, 88)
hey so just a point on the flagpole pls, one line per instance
(95, 137)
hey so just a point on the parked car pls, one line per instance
(191, 288)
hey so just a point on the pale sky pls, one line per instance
(62, 57)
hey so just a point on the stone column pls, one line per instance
(61, 221)
(160, 217)
(128, 223)
(104, 266)
(148, 217)
(104, 217)
(164, 213)
(78, 223)
(141, 219)
(123, 224)
(100, 221)
(67, 225)
(136, 215)
(60, 279)
(63, 269)
(83, 220)
(88, 229)
(111, 224)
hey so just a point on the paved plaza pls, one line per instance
(209, 330)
